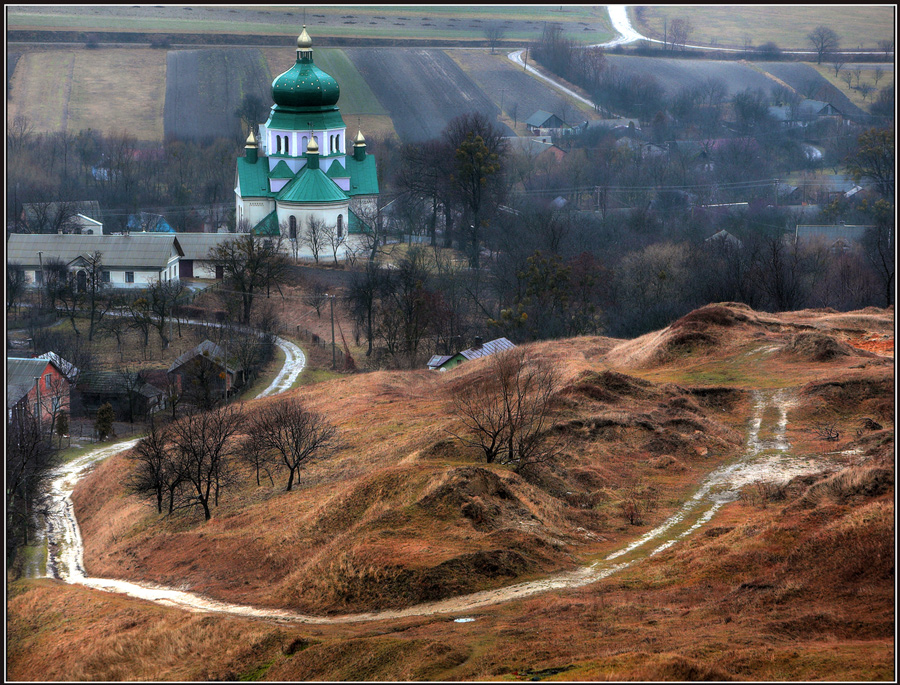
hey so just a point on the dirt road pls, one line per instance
(766, 458)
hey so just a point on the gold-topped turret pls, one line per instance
(251, 140)
(304, 42)
(359, 139)
(312, 146)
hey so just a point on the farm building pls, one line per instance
(804, 113)
(128, 260)
(541, 121)
(839, 237)
(303, 167)
(441, 362)
(129, 394)
(205, 374)
(37, 385)
(195, 247)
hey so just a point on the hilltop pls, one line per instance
(791, 581)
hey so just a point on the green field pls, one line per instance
(585, 24)
(787, 26)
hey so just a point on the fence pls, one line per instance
(340, 359)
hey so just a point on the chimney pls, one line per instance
(477, 345)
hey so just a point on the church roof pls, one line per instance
(304, 119)
(311, 185)
(355, 225)
(363, 175)
(268, 226)
(253, 177)
(281, 170)
(337, 170)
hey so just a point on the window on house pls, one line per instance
(39, 277)
(105, 276)
(292, 221)
(47, 379)
(287, 145)
(56, 404)
(129, 276)
(340, 227)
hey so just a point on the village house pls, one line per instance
(128, 260)
(36, 386)
(446, 362)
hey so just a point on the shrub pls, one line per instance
(104, 423)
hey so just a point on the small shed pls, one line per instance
(205, 373)
(38, 385)
(445, 362)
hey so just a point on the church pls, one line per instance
(303, 170)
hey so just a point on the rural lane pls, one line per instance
(763, 460)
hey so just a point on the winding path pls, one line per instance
(763, 460)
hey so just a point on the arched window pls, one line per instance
(304, 145)
(340, 227)
(292, 221)
(287, 145)
(278, 145)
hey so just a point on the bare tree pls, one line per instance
(824, 41)
(507, 414)
(314, 236)
(681, 30)
(256, 453)
(296, 435)
(886, 45)
(837, 63)
(316, 297)
(203, 444)
(494, 32)
(15, 285)
(878, 73)
(163, 296)
(154, 473)
(249, 264)
(29, 457)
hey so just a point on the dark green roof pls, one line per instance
(302, 119)
(281, 170)
(253, 178)
(336, 170)
(268, 226)
(311, 185)
(363, 175)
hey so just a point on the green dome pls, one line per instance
(305, 85)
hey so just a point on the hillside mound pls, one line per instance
(816, 347)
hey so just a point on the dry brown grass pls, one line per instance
(795, 584)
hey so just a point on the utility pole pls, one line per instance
(37, 390)
(41, 285)
(525, 61)
(333, 359)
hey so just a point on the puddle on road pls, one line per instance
(763, 460)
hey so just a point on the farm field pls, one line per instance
(80, 89)
(738, 26)
(813, 81)
(421, 89)
(205, 87)
(590, 24)
(520, 93)
(675, 74)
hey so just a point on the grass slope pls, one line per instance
(785, 583)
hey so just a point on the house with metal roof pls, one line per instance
(195, 260)
(541, 121)
(445, 362)
(36, 386)
(128, 260)
(303, 167)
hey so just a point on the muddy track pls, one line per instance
(766, 458)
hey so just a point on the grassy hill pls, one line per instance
(788, 582)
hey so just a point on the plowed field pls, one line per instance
(422, 90)
(205, 87)
(521, 94)
(675, 74)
